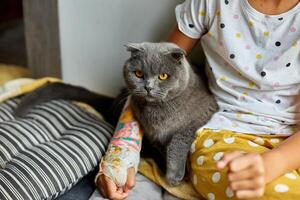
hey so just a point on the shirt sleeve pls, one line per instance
(193, 17)
(124, 149)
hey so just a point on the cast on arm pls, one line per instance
(124, 149)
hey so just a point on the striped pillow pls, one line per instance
(47, 152)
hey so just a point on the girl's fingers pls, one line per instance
(112, 190)
(248, 173)
(227, 158)
(247, 184)
(248, 194)
(102, 191)
(101, 185)
(245, 173)
(130, 183)
(246, 161)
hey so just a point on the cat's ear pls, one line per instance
(176, 53)
(133, 47)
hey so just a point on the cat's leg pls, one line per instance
(176, 155)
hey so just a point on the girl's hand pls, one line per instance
(110, 190)
(246, 173)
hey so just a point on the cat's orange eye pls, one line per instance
(163, 76)
(139, 74)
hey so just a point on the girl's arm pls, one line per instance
(116, 175)
(124, 148)
(282, 159)
(184, 42)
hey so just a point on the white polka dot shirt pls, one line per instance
(253, 63)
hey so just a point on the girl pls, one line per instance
(250, 148)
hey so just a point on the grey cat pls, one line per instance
(169, 100)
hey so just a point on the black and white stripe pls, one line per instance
(47, 152)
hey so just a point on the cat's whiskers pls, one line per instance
(139, 93)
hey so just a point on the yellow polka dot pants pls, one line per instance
(211, 183)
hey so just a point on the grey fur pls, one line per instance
(169, 114)
(175, 108)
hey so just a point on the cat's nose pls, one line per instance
(148, 88)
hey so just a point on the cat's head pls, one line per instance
(156, 72)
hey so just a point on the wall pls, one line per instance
(93, 32)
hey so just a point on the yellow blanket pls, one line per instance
(22, 86)
(10, 72)
(13, 82)
(183, 191)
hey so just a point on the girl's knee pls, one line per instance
(284, 187)
(213, 184)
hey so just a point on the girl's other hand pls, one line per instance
(246, 173)
(110, 190)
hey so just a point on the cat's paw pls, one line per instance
(174, 177)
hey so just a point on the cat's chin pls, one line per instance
(151, 99)
(148, 99)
